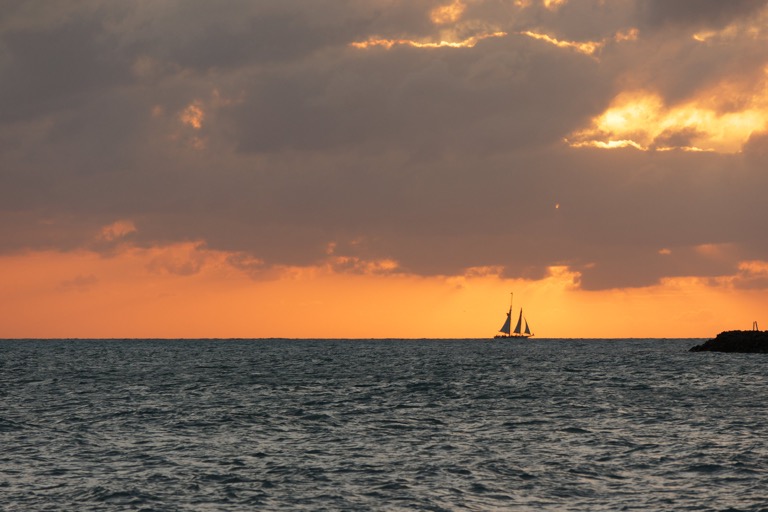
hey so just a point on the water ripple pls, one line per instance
(380, 425)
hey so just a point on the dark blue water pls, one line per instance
(584, 425)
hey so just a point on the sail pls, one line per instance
(505, 327)
(519, 321)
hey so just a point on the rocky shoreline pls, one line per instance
(754, 342)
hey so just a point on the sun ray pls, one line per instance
(642, 119)
(586, 47)
(469, 42)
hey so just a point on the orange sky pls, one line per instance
(383, 168)
(149, 293)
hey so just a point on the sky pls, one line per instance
(382, 168)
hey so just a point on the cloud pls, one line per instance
(79, 283)
(752, 275)
(420, 100)
(117, 230)
(642, 120)
(449, 13)
(697, 13)
(261, 130)
(56, 68)
(181, 259)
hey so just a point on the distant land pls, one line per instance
(736, 341)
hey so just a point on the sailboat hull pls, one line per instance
(504, 336)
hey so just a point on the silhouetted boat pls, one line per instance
(506, 329)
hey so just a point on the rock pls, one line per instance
(736, 341)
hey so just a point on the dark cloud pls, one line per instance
(577, 20)
(696, 13)
(440, 159)
(56, 68)
(503, 93)
(204, 36)
(756, 148)
(676, 138)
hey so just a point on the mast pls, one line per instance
(507, 327)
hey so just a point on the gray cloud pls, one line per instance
(496, 96)
(440, 159)
(54, 69)
(696, 13)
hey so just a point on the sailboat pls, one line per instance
(506, 329)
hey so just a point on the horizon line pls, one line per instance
(388, 338)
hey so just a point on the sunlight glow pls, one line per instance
(642, 120)
(454, 32)
(754, 267)
(752, 28)
(188, 290)
(116, 230)
(704, 36)
(553, 5)
(469, 42)
(630, 35)
(585, 47)
(720, 118)
(611, 144)
(361, 266)
(450, 13)
(193, 115)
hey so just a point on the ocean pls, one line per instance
(197, 425)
